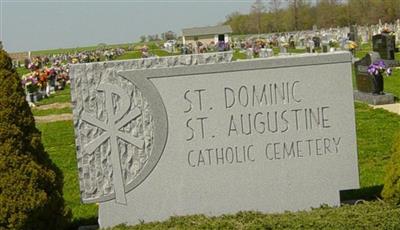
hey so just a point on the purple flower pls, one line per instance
(380, 64)
(378, 67)
(372, 69)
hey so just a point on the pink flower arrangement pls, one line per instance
(30, 83)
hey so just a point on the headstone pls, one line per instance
(263, 53)
(343, 42)
(317, 42)
(301, 43)
(397, 31)
(264, 135)
(385, 45)
(270, 52)
(364, 80)
(282, 50)
(325, 46)
(353, 34)
(310, 46)
(249, 53)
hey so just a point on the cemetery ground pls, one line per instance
(376, 133)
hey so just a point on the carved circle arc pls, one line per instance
(160, 119)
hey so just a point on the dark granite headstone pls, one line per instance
(385, 45)
(317, 42)
(364, 80)
(353, 33)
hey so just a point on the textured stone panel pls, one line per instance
(91, 83)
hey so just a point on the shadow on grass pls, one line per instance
(367, 193)
(75, 224)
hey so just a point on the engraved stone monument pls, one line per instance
(199, 134)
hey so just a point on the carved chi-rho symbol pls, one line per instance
(116, 120)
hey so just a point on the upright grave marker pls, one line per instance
(270, 134)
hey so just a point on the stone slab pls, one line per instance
(369, 98)
(267, 135)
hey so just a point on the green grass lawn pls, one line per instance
(392, 83)
(130, 55)
(59, 142)
(61, 96)
(22, 70)
(376, 129)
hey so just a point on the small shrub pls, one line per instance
(391, 189)
(30, 184)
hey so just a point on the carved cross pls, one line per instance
(116, 120)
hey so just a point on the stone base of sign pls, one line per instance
(89, 227)
(369, 98)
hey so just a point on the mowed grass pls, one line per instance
(58, 140)
(392, 83)
(61, 96)
(376, 129)
(22, 71)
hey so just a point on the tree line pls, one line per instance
(291, 15)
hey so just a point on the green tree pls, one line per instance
(256, 12)
(169, 35)
(238, 22)
(327, 13)
(30, 184)
(275, 12)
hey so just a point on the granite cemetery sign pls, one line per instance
(268, 134)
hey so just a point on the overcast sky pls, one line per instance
(49, 24)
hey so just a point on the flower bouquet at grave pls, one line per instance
(352, 45)
(386, 30)
(62, 78)
(35, 64)
(285, 44)
(30, 83)
(333, 43)
(377, 69)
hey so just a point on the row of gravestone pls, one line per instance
(325, 37)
